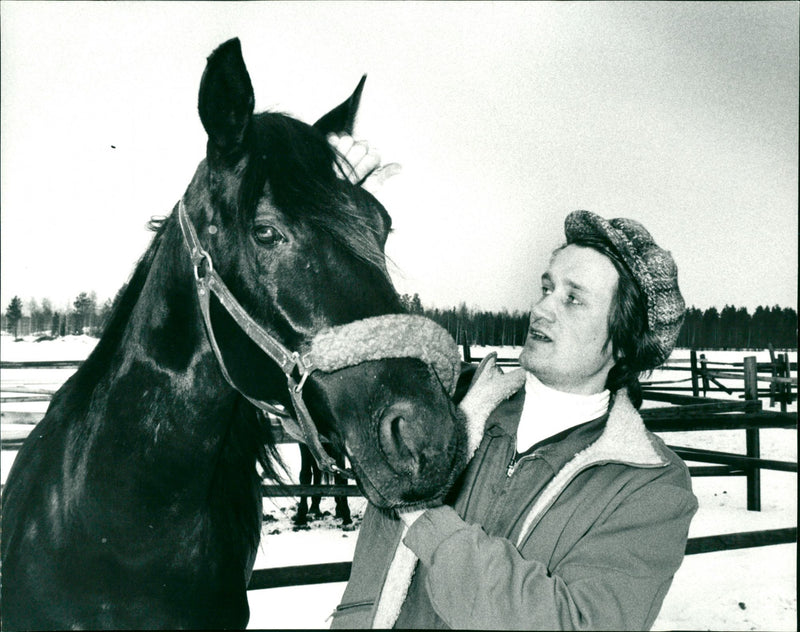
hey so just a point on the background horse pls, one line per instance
(312, 474)
(136, 503)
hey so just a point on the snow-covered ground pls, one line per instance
(747, 589)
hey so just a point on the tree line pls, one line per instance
(41, 318)
(735, 328)
(731, 328)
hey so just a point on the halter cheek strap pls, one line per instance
(291, 363)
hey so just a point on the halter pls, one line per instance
(290, 362)
(331, 349)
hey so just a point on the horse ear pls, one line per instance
(342, 118)
(226, 99)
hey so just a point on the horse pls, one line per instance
(136, 501)
(311, 474)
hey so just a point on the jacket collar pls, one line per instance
(618, 436)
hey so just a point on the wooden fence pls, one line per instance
(705, 376)
(684, 413)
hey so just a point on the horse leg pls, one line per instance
(319, 479)
(306, 460)
(342, 508)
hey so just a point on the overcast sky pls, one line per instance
(505, 117)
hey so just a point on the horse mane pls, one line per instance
(81, 385)
(298, 162)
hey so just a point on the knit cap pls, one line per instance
(651, 266)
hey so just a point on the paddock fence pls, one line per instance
(689, 408)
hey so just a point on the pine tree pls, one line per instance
(710, 329)
(759, 327)
(85, 305)
(728, 328)
(14, 315)
(742, 328)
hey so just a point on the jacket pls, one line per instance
(584, 532)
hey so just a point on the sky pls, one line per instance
(504, 116)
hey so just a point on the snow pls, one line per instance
(28, 350)
(746, 589)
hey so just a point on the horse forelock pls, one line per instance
(300, 168)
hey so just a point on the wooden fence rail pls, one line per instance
(42, 364)
(687, 413)
(285, 576)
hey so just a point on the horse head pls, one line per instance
(300, 251)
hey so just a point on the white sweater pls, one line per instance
(546, 411)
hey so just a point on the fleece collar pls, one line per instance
(622, 427)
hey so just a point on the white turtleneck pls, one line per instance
(546, 411)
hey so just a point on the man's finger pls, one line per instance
(341, 143)
(356, 153)
(380, 175)
(365, 167)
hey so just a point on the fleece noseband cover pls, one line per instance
(388, 336)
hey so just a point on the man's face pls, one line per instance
(566, 345)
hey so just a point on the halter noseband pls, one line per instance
(331, 349)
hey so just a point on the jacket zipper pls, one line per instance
(515, 461)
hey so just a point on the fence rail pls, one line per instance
(285, 576)
(686, 413)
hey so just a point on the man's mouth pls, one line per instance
(538, 334)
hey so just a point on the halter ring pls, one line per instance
(298, 388)
(198, 257)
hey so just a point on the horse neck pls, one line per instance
(163, 395)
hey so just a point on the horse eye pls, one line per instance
(267, 235)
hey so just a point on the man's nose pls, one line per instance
(543, 309)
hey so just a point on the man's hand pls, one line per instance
(361, 164)
(489, 387)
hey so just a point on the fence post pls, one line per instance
(465, 346)
(753, 440)
(695, 383)
(785, 370)
(704, 373)
(773, 367)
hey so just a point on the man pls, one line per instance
(570, 514)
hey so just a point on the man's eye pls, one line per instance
(573, 299)
(267, 234)
(546, 290)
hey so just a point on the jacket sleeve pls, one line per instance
(615, 577)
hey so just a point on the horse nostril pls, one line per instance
(399, 427)
(400, 440)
